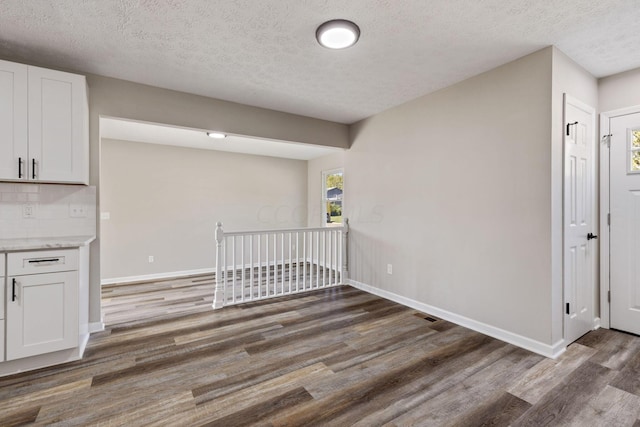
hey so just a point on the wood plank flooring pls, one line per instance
(334, 357)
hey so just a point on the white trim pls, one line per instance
(84, 340)
(551, 351)
(96, 327)
(156, 276)
(604, 226)
(604, 236)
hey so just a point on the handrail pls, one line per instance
(281, 230)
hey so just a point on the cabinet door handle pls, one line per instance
(31, 261)
(19, 167)
(33, 168)
(13, 290)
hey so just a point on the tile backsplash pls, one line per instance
(46, 210)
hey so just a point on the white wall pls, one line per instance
(315, 187)
(569, 78)
(619, 91)
(454, 190)
(165, 201)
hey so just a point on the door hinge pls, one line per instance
(609, 219)
(606, 139)
(568, 308)
(608, 296)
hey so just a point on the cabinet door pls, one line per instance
(13, 121)
(42, 314)
(58, 134)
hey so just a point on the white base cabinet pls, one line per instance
(42, 314)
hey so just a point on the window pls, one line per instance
(332, 189)
(634, 151)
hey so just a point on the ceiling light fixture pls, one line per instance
(338, 34)
(216, 135)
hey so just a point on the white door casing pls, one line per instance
(579, 207)
(624, 231)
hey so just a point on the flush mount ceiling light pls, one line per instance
(338, 34)
(216, 135)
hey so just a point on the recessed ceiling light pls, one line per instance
(216, 135)
(338, 34)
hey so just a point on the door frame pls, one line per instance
(605, 205)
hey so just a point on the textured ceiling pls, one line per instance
(264, 53)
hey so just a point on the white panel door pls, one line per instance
(57, 135)
(579, 228)
(13, 121)
(42, 313)
(624, 245)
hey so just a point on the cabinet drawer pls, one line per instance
(2, 272)
(35, 262)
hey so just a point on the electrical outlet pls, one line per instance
(105, 215)
(151, 259)
(389, 269)
(29, 210)
(77, 211)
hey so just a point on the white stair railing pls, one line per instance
(255, 265)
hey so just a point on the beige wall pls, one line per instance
(119, 98)
(314, 185)
(619, 91)
(165, 201)
(569, 78)
(453, 190)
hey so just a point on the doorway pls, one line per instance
(620, 153)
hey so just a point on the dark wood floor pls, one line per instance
(336, 357)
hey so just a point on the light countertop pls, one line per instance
(44, 243)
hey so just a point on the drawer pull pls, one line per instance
(19, 167)
(35, 261)
(13, 290)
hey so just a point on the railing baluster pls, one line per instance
(275, 264)
(282, 259)
(318, 259)
(242, 267)
(304, 260)
(290, 259)
(233, 266)
(267, 272)
(324, 258)
(297, 261)
(251, 266)
(334, 267)
(259, 265)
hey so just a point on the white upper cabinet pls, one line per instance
(13, 121)
(49, 137)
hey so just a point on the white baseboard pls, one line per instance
(597, 324)
(551, 351)
(156, 276)
(96, 327)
